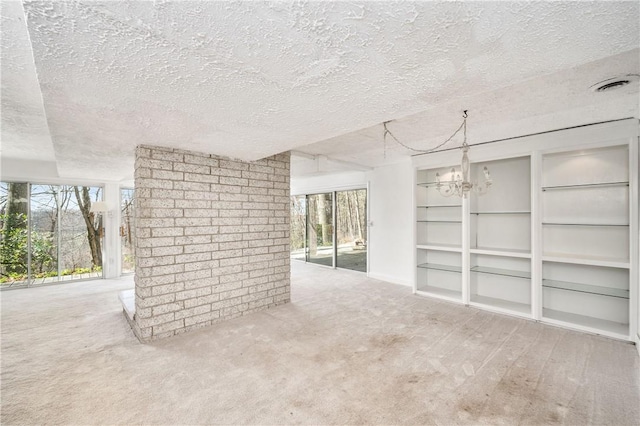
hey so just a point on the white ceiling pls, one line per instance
(84, 82)
(549, 102)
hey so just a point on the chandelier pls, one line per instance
(457, 185)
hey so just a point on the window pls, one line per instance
(48, 233)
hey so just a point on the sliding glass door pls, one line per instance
(351, 229)
(320, 229)
(330, 229)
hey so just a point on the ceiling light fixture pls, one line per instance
(458, 185)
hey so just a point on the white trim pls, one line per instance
(455, 300)
(584, 329)
(414, 217)
(58, 181)
(634, 241)
(466, 244)
(368, 211)
(111, 253)
(331, 188)
(334, 231)
(499, 310)
(536, 236)
(390, 279)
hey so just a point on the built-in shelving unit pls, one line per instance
(501, 219)
(439, 239)
(500, 238)
(585, 239)
(555, 239)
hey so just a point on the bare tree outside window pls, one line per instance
(48, 233)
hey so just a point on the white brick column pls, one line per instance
(212, 239)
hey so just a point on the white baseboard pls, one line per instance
(390, 279)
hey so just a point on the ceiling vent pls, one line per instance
(614, 83)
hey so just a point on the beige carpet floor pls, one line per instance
(347, 350)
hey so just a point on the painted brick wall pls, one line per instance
(212, 239)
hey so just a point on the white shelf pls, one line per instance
(585, 323)
(501, 305)
(586, 288)
(505, 212)
(436, 206)
(524, 254)
(427, 184)
(441, 247)
(585, 185)
(585, 229)
(500, 271)
(441, 267)
(440, 293)
(582, 224)
(586, 260)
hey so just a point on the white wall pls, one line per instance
(328, 182)
(390, 210)
(27, 171)
(391, 235)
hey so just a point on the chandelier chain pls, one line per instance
(463, 126)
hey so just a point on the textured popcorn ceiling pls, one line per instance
(251, 79)
(24, 126)
(549, 102)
